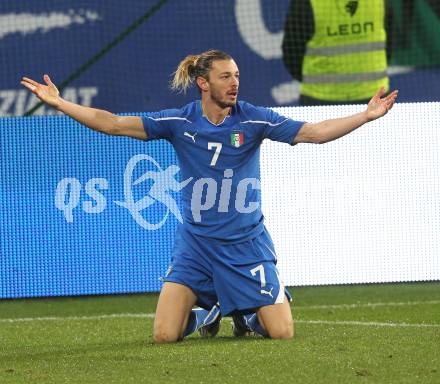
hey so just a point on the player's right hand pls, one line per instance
(47, 93)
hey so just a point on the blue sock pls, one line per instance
(195, 320)
(200, 317)
(254, 325)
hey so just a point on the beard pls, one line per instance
(217, 99)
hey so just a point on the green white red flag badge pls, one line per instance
(237, 138)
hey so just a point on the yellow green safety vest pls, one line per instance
(346, 59)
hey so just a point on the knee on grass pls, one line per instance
(282, 331)
(161, 335)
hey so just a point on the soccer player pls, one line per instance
(223, 259)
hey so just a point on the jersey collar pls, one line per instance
(228, 120)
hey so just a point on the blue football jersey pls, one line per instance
(222, 161)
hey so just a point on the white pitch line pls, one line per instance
(76, 318)
(368, 305)
(151, 315)
(368, 324)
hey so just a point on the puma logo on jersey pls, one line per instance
(268, 293)
(193, 136)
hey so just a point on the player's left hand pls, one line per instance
(379, 106)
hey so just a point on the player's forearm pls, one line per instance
(96, 119)
(329, 130)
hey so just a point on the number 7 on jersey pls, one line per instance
(218, 148)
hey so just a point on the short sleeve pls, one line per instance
(280, 128)
(157, 125)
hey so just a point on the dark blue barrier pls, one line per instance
(59, 37)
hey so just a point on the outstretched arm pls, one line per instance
(333, 129)
(96, 119)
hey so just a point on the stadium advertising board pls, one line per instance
(85, 213)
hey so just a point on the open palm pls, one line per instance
(47, 93)
(379, 106)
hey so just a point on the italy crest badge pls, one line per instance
(237, 138)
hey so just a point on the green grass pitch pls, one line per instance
(343, 334)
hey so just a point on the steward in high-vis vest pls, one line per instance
(336, 49)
